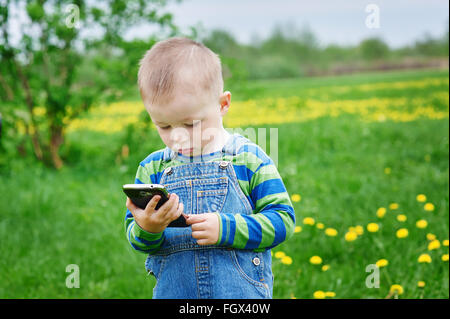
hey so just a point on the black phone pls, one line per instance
(141, 194)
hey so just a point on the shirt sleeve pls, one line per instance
(138, 238)
(273, 218)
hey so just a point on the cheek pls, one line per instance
(165, 136)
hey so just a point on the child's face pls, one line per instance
(189, 122)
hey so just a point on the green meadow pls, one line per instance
(341, 168)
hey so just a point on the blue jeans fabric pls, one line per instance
(184, 269)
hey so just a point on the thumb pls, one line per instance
(194, 218)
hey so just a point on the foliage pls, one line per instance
(56, 65)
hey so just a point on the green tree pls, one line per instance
(69, 54)
(373, 49)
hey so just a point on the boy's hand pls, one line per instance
(155, 221)
(205, 228)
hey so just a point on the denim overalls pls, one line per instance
(184, 269)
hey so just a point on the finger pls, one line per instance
(151, 205)
(195, 218)
(197, 227)
(167, 205)
(177, 213)
(205, 241)
(172, 208)
(200, 234)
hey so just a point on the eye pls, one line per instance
(192, 124)
(164, 127)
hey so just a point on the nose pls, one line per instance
(179, 136)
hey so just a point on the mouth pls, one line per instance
(185, 150)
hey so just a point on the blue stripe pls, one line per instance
(128, 214)
(224, 228)
(268, 187)
(232, 230)
(243, 173)
(254, 232)
(287, 208)
(150, 250)
(155, 156)
(155, 178)
(278, 226)
(250, 201)
(147, 242)
(138, 181)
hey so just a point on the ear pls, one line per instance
(225, 102)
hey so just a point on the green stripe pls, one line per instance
(248, 159)
(241, 235)
(264, 173)
(268, 231)
(245, 186)
(143, 175)
(278, 198)
(288, 223)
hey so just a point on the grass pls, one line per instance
(337, 164)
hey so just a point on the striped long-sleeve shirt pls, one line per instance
(273, 217)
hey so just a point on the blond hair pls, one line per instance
(179, 63)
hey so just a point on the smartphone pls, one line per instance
(141, 194)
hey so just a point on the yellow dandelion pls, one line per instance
(429, 207)
(308, 221)
(445, 242)
(319, 294)
(296, 198)
(359, 230)
(421, 223)
(401, 218)
(421, 198)
(297, 229)
(331, 232)
(320, 226)
(424, 258)
(351, 236)
(421, 284)
(279, 254)
(325, 267)
(286, 260)
(431, 236)
(393, 206)
(382, 263)
(292, 296)
(315, 260)
(444, 257)
(381, 212)
(372, 227)
(396, 289)
(434, 244)
(330, 294)
(387, 170)
(402, 233)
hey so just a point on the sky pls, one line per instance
(401, 22)
(342, 22)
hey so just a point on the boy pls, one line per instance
(231, 192)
